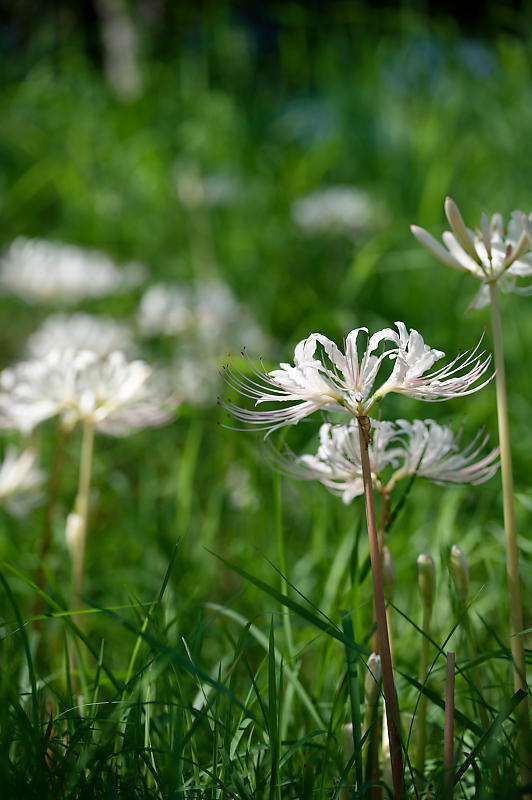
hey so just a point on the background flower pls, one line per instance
(42, 271)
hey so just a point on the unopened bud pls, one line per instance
(388, 574)
(459, 573)
(426, 578)
(73, 532)
(372, 680)
(348, 740)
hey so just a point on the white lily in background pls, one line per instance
(491, 253)
(109, 392)
(80, 331)
(41, 271)
(345, 381)
(20, 481)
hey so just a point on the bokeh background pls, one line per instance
(280, 150)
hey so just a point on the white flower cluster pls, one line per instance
(20, 481)
(207, 321)
(80, 386)
(41, 271)
(327, 379)
(398, 450)
(345, 381)
(80, 331)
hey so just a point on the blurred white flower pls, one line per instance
(42, 271)
(110, 392)
(20, 481)
(207, 322)
(343, 210)
(210, 312)
(165, 309)
(491, 253)
(397, 450)
(80, 331)
(238, 484)
(343, 380)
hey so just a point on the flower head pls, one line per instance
(432, 451)
(397, 450)
(20, 481)
(110, 392)
(323, 377)
(80, 331)
(43, 271)
(337, 463)
(491, 253)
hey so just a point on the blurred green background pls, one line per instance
(114, 113)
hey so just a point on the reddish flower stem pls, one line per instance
(392, 714)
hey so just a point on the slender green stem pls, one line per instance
(354, 696)
(512, 553)
(421, 739)
(472, 653)
(81, 508)
(392, 713)
(53, 489)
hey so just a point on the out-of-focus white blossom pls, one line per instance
(207, 322)
(491, 253)
(241, 493)
(80, 331)
(20, 481)
(42, 271)
(165, 308)
(344, 210)
(208, 314)
(110, 392)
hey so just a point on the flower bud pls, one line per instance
(459, 573)
(388, 574)
(372, 680)
(347, 740)
(73, 532)
(426, 578)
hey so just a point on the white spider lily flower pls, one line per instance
(20, 481)
(422, 448)
(432, 451)
(342, 380)
(41, 271)
(338, 465)
(110, 392)
(80, 331)
(491, 253)
(413, 358)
